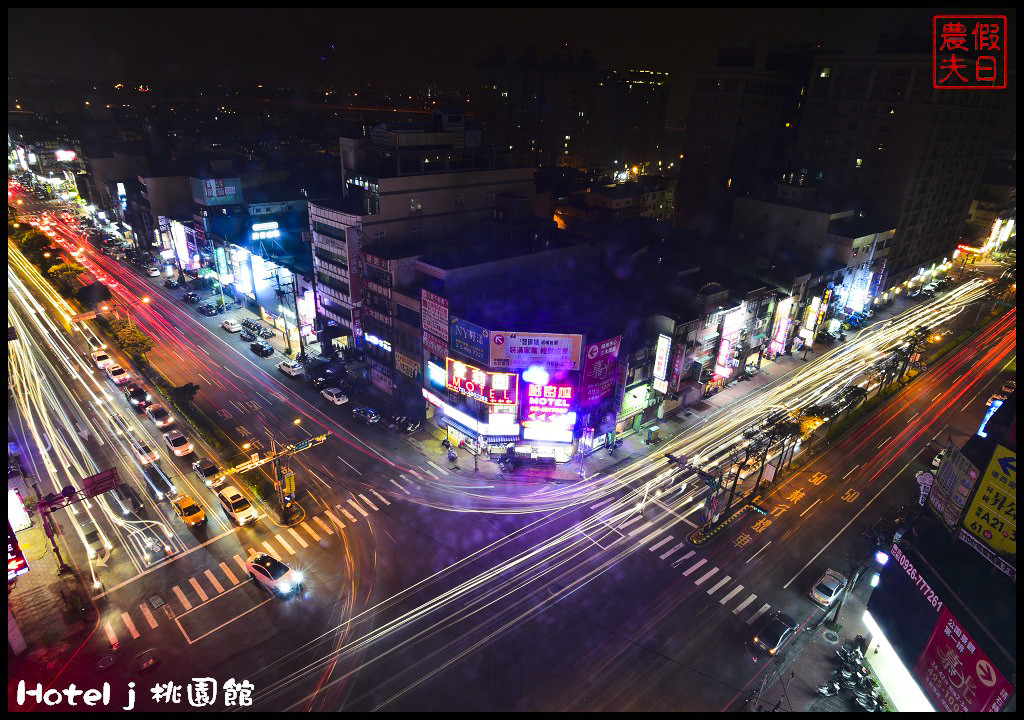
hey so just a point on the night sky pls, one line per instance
(402, 48)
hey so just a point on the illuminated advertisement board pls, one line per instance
(661, 357)
(782, 325)
(469, 339)
(16, 563)
(992, 517)
(812, 313)
(520, 351)
(486, 387)
(731, 326)
(599, 371)
(434, 314)
(956, 674)
(548, 414)
(824, 307)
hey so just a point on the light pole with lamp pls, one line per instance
(125, 306)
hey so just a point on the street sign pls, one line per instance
(288, 482)
(84, 316)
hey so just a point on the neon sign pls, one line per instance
(731, 326)
(548, 403)
(782, 323)
(661, 357)
(486, 387)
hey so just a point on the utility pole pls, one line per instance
(44, 515)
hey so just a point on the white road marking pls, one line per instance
(640, 529)
(763, 548)
(368, 502)
(719, 584)
(684, 558)
(602, 503)
(810, 506)
(695, 566)
(130, 625)
(241, 563)
(743, 604)
(298, 537)
(885, 441)
(307, 528)
(914, 416)
(198, 588)
(346, 513)
(324, 526)
(708, 574)
(270, 549)
(111, 637)
(655, 547)
(181, 598)
(437, 467)
(431, 473)
(213, 581)
(146, 613)
(851, 472)
(379, 497)
(349, 464)
(230, 575)
(630, 521)
(399, 486)
(358, 507)
(336, 521)
(732, 592)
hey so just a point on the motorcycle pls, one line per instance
(452, 457)
(829, 688)
(413, 426)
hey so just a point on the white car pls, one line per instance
(145, 454)
(101, 359)
(153, 271)
(231, 325)
(335, 395)
(117, 374)
(273, 575)
(178, 443)
(290, 367)
(236, 506)
(159, 415)
(827, 589)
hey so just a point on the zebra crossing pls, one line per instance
(616, 527)
(214, 581)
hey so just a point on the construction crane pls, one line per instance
(284, 477)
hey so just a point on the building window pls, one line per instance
(378, 235)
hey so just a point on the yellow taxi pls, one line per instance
(188, 510)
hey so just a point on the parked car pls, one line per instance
(231, 325)
(246, 335)
(159, 415)
(207, 310)
(188, 510)
(191, 297)
(772, 635)
(824, 592)
(102, 359)
(171, 283)
(290, 367)
(153, 271)
(178, 443)
(366, 413)
(273, 575)
(117, 374)
(916, 292)
(145, 454)
(1010, 386)
(137, 397)
(236, 506)
(261, 348)
(207, 471)
(335, 396)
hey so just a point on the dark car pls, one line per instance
(247, 335)
(261, 348)
(190, 297)
(207, 310)
(137, 396)
(171, 283)
(366, 413)
(772, 635)
(319, 382)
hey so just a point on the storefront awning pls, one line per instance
(460, 427)
(501, 439)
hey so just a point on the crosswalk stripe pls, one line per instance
(110, 635)
(602, 503)
(280, 539)
(684, 558)
(334, 520)
(758, 614)
(181, 598)
(358, 507)
(705, 576)
(298, 538)
(640, 529)
(241, 563)
(213, 581)
(148, 615)
(400, 487)
(732, 592)
(695, 566)
(743, 604)
(672, 550)
(270, 549)
(346, 513)
(719, 584)
(381, 497)
(198, 588)
(129, 624)
(627, 523)
(324, 526)
(312, 534)
(653, 535)
(368, 502)
(655, 547)
(227, 571)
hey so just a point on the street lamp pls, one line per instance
(125, 306)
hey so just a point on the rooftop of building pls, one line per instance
(855, 227)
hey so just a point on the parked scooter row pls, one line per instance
(403, 422)
(853, 675)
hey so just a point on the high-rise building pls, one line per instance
(875, 135)
(740, 126)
